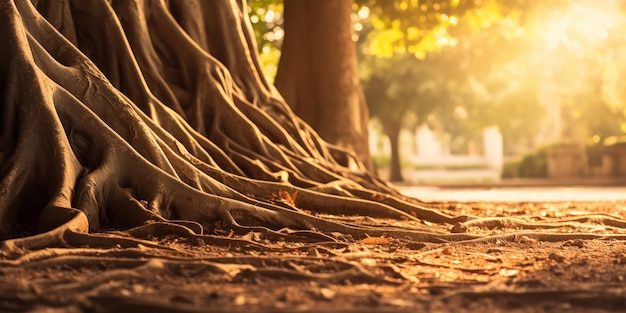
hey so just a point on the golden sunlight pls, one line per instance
(581, 24)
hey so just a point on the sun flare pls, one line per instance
(581, 24)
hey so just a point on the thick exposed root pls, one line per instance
(585, 221)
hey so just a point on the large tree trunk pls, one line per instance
(318, 72)
(392, 129)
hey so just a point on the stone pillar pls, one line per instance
(428, 147)
(493, 147)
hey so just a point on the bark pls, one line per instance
(318, 72)
(392, 129)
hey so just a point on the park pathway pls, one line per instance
(516, 194)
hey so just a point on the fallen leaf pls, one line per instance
(289, 198)
(375, 240)
(327, 293)
(506, 272)
(448, 251)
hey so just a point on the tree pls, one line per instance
(324, 90)
(153, 118)
(401, 92)
(400, 80)
(128, 126)
(481, 49)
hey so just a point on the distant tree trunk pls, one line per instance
(318, 72)
(392, 129)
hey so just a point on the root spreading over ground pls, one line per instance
(130, 129)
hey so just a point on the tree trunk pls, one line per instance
(392, 129)
(318, 72)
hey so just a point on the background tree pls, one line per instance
(399, 80)
(502, 64)
(401, 92)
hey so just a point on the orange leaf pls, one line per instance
(288, 198)
(376, 240)
(285, 197)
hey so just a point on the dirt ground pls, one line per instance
(583, 272)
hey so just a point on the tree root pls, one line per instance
(537, 236)
(591, 220)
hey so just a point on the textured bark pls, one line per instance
(318, 72)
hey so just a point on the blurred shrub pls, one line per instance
(510, 169)
(535, 165)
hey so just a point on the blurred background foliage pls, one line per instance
(541, 71)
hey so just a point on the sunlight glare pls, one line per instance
(279, 33)
(269, 16)
(358, 27)
(364, 12)
(580, 25)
